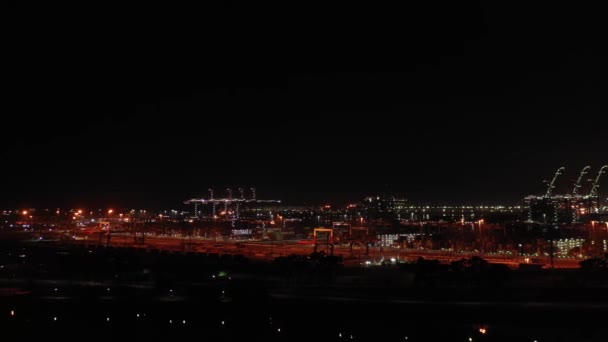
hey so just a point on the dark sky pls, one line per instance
(458, 102)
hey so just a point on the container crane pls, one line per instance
(211, 197)
(228, 200)
(577, 185)
(551, 186)
(596, 182)
(576, 197)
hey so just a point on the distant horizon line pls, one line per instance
(281, 204)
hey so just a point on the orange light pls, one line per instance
(24, 212)
(110, 211)
(482, 331)
(80, 211)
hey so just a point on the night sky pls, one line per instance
(456, 102)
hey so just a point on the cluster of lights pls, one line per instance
(388, 240)
(341, 335)
(566, 245)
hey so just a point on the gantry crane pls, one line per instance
(596, 182)
(576, 197)
(551, 186)
(577, 185)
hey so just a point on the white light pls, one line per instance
(222, 322)
(107, 319)
(279, 330)
(340, 335)
(170, 321)
(184, 321)
(137, 315)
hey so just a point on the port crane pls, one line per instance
(596, 182)
(577, 185)
(229, 202)
(551, 185)
(575, 198)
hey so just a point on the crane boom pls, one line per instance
(596, 182)
(551, 186)
(577, 185)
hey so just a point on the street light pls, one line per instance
(462, 233)
(606, 244)
(592, 238)
(480, 238)
(25, 216)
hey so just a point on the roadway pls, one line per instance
(268, 250)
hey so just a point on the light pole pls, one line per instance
(606, 244)
(25, 212)
(480, 238)
(462, 233)
(592, 238)
(110, 211)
